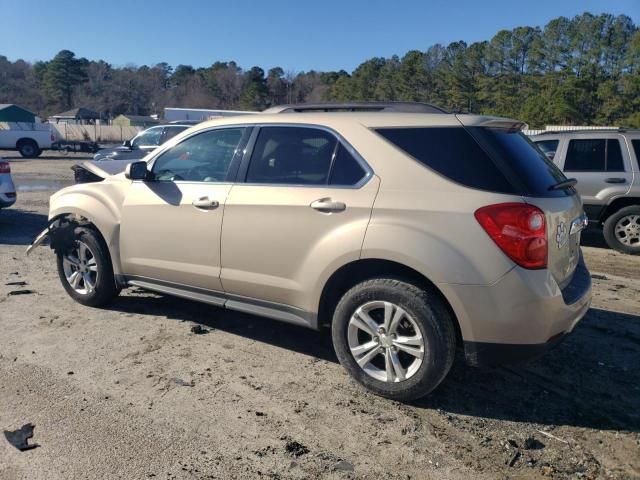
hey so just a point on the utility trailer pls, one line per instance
(71, 146)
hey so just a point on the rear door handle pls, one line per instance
(326, 205)
(205, 203)
(616, 180)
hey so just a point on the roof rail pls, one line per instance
(589, 130)
(405, 107)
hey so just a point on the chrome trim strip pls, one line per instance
(210, 298)
(262, 308)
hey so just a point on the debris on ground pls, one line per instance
(20, 438)
(21, 292)
(17, 284)
(199, 330)
(296, 449)
(597, 276)
(547, 434)
(182, 383)
(532, 444)
(343, 466)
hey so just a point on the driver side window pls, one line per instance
(205, 157)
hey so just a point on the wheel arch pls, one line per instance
(363, 269)
(81, 218)
(22, 140)
(617, 204)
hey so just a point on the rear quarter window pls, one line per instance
(451, 152)
(496, 160)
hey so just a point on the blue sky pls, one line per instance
(294, 34)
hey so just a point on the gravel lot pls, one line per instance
(130, 392)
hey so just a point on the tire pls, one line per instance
(28, 148)
(39, 152)
(421, 312)
(622, 230)
(93, 284)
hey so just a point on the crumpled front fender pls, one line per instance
(59, 232)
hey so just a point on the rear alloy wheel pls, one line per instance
(390, 351)
(85, 270)
(622, 230)
(28, 149)
(394, 338)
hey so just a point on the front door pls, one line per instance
(170, 227)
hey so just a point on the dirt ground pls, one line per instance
(130, 392)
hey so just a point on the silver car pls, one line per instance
(606, 165)
(7, 188)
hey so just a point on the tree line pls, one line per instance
(584, 70)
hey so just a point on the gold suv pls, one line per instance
(403, 228)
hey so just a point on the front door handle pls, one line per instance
(205, 203)
(326, 205)
(616, 180)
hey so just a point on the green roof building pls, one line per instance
(13, 113)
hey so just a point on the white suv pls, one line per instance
(606, 165)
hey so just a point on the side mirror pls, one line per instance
(136, 171)
(126, 143)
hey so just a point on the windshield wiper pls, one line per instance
(565, 184)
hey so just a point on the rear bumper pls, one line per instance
(493, 354)
(520, 316)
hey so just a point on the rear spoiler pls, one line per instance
(490, 122)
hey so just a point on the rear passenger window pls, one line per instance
(451, 152)
(594, 155)
(346, 170)
(301, 156)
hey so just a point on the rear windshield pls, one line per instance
(524, 164)
(495, 160)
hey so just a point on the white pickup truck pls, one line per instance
(27, 138)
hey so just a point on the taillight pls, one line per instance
(4, 167)
(519, 230)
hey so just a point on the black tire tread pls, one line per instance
(610, 224)
(106, 289)
(444, 330)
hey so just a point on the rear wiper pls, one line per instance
(563, 185)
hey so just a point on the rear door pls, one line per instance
(601, 164)
(305, 204)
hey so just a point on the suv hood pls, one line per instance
(105, 168)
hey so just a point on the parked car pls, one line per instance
(606, 165)
(28, 141)
(143, 143)
(405, 233)
(7, 188)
